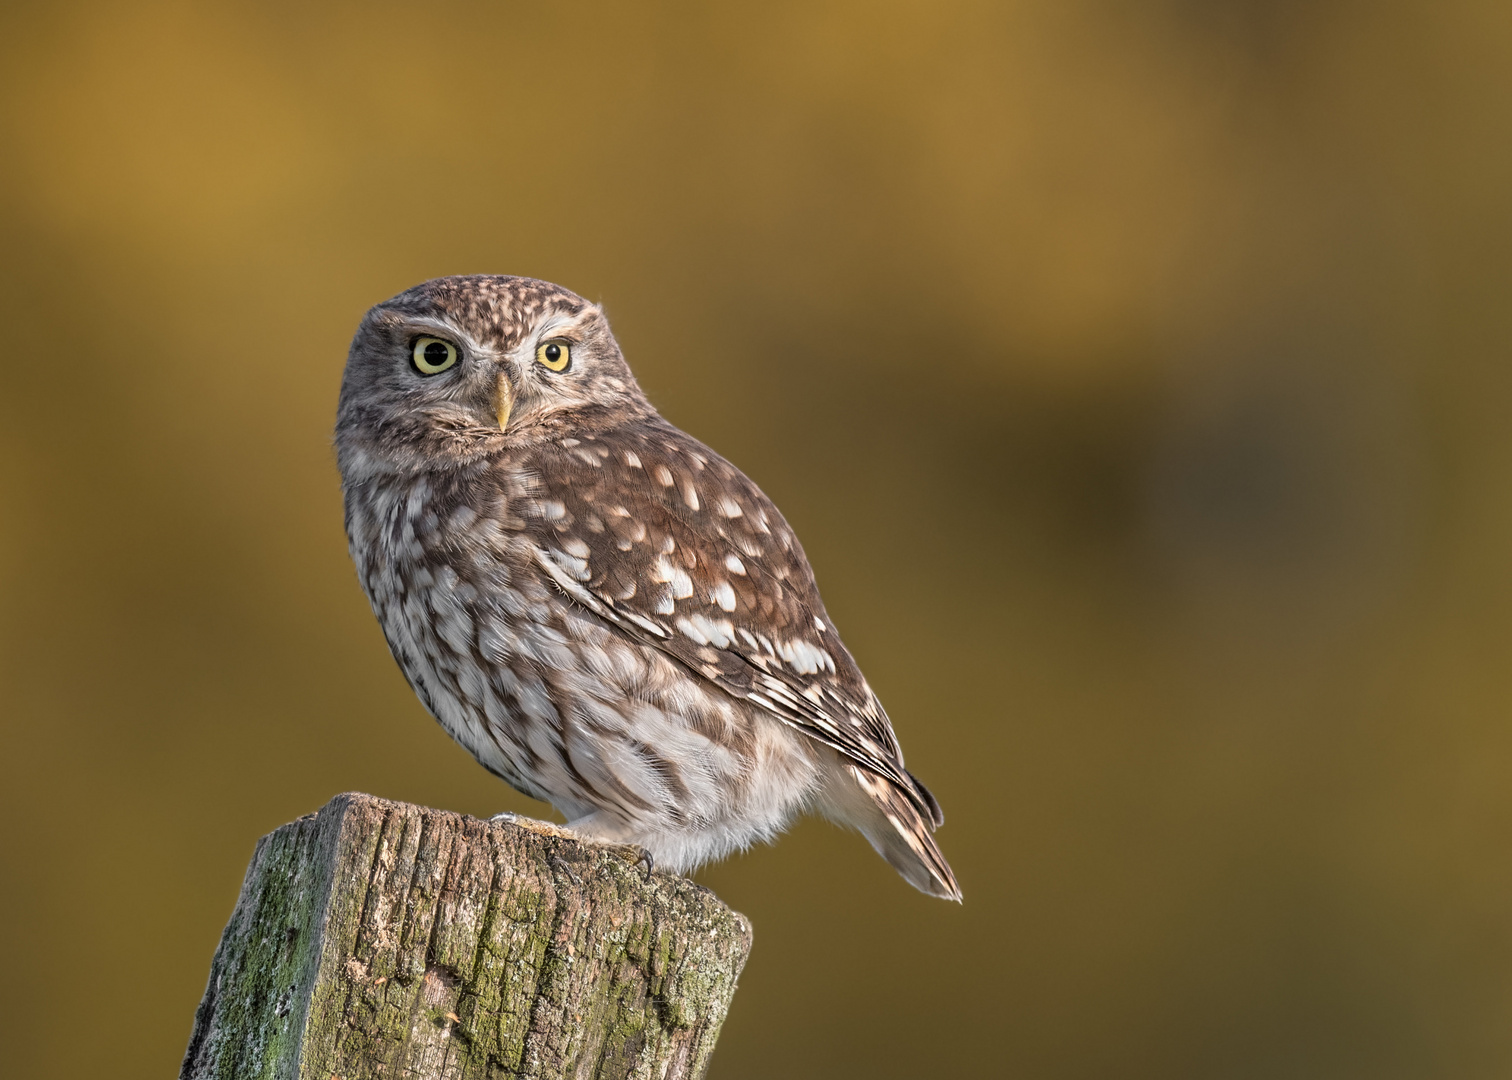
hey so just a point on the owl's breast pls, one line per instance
(434, 558)
(543, 690)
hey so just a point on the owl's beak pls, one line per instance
(503, 400)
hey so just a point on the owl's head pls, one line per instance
(459, 367)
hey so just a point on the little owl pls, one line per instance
(606, 613)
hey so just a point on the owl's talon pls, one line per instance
(561, 864)
(648, 861)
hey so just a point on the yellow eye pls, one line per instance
(432, 355)
(555, 355)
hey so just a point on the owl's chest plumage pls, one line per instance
(450, 604)
(545, 693)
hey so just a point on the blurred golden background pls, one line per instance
(1136, 374)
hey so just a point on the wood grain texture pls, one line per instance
(379, 939)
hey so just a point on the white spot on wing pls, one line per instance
(723, 595)
(646, 624)
(675, 576)
(632, 460)
(576, 566)
(735, 566)
(804, 658)
(663, 475)
(717, 632)
(563, 568)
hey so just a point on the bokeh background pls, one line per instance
(1136, 374)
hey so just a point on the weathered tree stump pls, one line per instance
(378, 939)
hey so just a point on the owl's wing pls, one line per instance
(660, 536)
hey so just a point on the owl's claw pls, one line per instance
(561, 864)
(648, 862)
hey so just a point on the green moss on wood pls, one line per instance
(377, 939)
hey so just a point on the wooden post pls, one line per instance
(379, 939)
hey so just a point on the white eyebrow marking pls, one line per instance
(558, 321)
(473, 346)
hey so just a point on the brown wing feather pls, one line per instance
(658, 534)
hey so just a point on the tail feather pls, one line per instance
(936, 815)
(891, 820)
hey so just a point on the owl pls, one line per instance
(604, 612)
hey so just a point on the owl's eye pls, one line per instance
(431, 356)
(555, 355)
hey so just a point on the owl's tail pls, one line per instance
(894, 824)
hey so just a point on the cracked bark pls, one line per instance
(379, 939)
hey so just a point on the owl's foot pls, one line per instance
(584, 830)
(600, 828)
(561, 864)
(535, 825)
